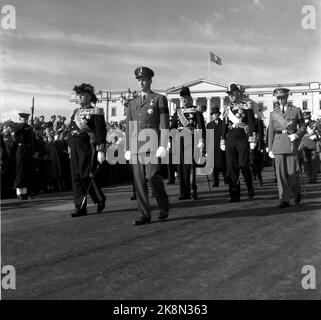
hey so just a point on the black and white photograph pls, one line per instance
(166, 152)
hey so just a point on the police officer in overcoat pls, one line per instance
(26, 150)
(148, 112)
(238, 136)
(286, 128)
(188, 117)
(87, 140)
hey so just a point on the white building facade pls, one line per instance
(206, 94)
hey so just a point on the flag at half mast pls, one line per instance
(214, 58)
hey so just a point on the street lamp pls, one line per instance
(126, 97)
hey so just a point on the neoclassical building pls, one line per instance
(207, 94)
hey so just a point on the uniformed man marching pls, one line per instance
(308, 146)
(237, 138)
(256, 154)
(87, 139)
(219, 155)
(188, 118)
(286, 128)
(148, 110)
(26, 151)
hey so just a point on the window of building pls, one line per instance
(304, 93)
(320, 104)
(260, 95)
(304, 105)
(125, 111)
(113, 112)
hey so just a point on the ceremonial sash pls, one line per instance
(182, 117)
(232, 117)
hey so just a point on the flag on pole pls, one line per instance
(214, 58)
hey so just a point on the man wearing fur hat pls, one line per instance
(238, 137)
(286, 128)
(86, 121)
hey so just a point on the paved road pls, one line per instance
(207, 249)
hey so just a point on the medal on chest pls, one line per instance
(82, 116)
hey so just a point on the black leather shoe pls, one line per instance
(163, 214)
(100, 207)
(283, 204)
(215, 185)
(142, 220)
(250, 194)
(171, 182)
(184, 197)
(298, 198)
(195, 196)
(235, 199)
(133, 197)
(79, 213)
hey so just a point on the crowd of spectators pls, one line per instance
(51, 167)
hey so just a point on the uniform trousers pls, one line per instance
(237, 158)
(310, 164)
(287, 170)
(144, 173)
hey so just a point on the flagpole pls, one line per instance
(209, 67)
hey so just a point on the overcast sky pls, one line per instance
(60, 43)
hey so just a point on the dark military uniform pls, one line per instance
(256, 155)
(26, 147)
(309, 150)
(150, 113)
(237, 132)
(194, 120)
(86, 123)
(219, 155)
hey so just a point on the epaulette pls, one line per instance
(99, 111)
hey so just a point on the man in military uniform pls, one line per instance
(26, 151)
(148, 110)
(256, 154)
(219, 155)
(309, 148)
(238, 137)
(87, 140)
(188, 118)
(286, 127)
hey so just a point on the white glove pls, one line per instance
(313, 137)
(200, 145)
(309, 130)
(266, 149)
(293, 137)
(101, 157)
(222, 147)
(168, 146)
(271, 155)
(161, 152)
(252, 145)
(127, 155)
